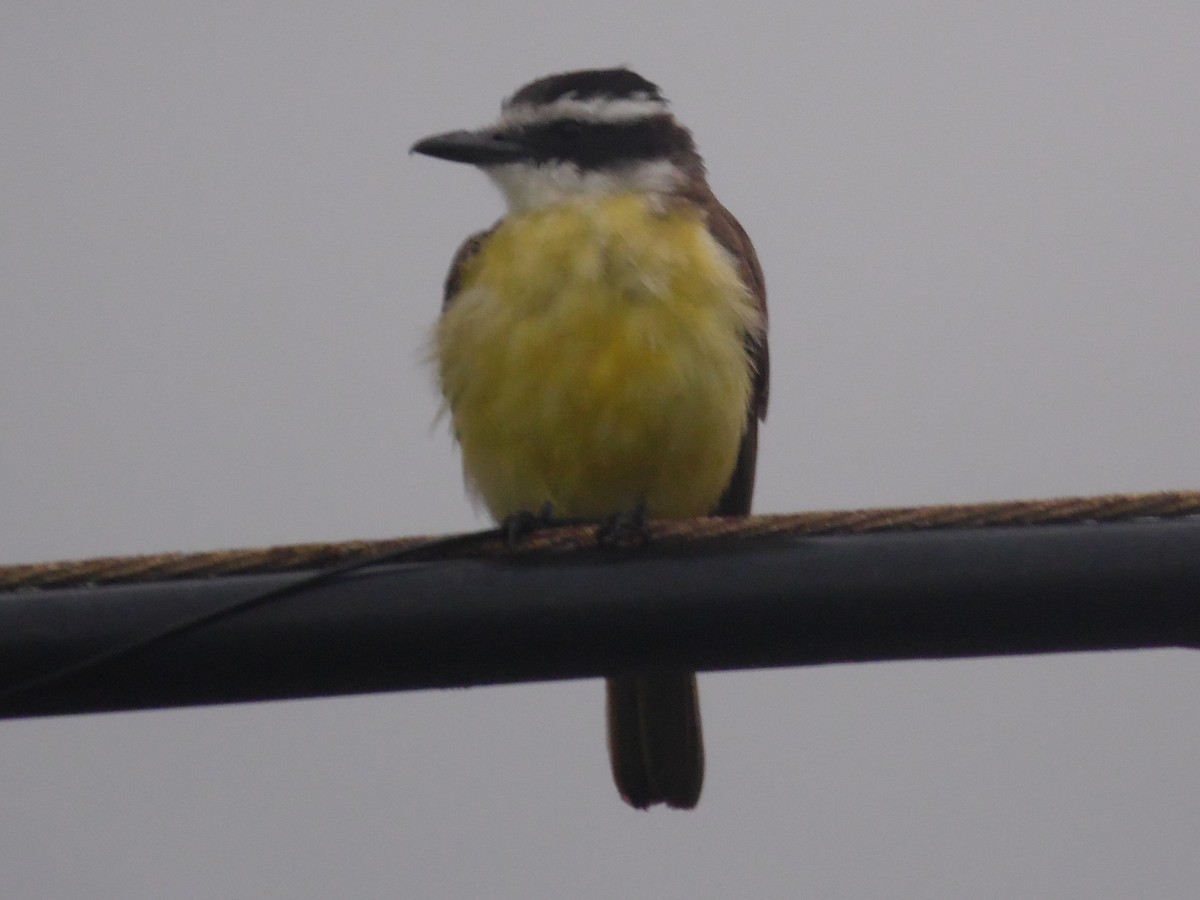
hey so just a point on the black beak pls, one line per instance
(482, 148)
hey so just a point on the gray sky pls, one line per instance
(218, 268)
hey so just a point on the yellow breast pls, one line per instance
(595, 359)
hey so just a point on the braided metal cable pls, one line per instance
(564, 539)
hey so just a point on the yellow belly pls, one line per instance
(595, 359)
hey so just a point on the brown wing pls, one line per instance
(730, 235)
(465, 254)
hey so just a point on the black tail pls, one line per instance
(654, 738)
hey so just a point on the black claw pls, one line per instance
(524, 523)
(625, 529)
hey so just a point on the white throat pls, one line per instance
(527, 186)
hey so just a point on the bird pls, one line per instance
(602, 352)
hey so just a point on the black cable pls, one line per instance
(501, 619)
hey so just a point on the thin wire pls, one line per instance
(139, 645)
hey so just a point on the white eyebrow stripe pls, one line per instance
(597, 109)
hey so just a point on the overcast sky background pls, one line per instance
(980, 225)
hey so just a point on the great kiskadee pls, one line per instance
(602, 351)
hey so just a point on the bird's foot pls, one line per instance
(625, 529)
(524, 523)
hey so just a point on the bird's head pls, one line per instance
(593, 132)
